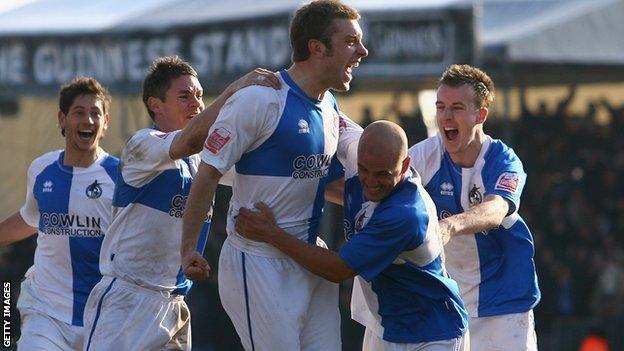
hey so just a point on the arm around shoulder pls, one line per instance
(14, 228)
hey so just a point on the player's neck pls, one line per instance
(80, 158)
(467, 157)
(304, 75)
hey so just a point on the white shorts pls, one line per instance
(505, 332)
(123, 316)
(39, 330)
(372, 342)
(275, 304)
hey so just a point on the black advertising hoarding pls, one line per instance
(401, 45)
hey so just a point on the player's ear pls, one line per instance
(482, 115)
(316, 48)
(62, 119)
(405, 164)
(154, 104)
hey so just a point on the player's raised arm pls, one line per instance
(14, 228)
(198, 204)
(190, 140)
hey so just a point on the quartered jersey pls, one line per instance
(495, 268)
(71, 206)
(142, 245)
(282, 143)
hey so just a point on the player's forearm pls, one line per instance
(197, 206)
(320, 261)
(334, 192)
(15, 229)
(485, 216)
(190, 140)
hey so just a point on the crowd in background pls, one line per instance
(572, 202)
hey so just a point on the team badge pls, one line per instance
(217, 140)
(508, 182)
(359, 223)
(475, 197)
(94, 190)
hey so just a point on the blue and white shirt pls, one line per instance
(402, 293)
(142, 245)
(282, 143)
(494, 269)
(71, 206)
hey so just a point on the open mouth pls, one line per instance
(451, 133)
(85, 134)
(350, 67)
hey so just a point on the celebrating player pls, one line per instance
(402, 293)
(476, 182)
(139, 304)
(281, 143)
(68, 203)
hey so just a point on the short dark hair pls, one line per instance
(161, 73)
(456, 75)
(315, 21)
(82, 86)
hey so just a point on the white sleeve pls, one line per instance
(426, 157)
(146, 155)
(348, 140)
(247, 119)
(30, 209)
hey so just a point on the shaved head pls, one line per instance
(384, 139)
(382, 159)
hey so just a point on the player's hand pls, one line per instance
(258, 76)
(195, 266)
(256, 224)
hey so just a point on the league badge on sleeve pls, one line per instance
(508, 182)
(217, 140)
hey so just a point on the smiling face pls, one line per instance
(347, 50)
(382, 159)
(183, 101)
(461, 122)
(84, 124)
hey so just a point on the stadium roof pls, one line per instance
(35, 17)
(564, 31)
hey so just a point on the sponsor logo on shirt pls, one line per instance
(67, 224)
(311, 166)
(47, 186)
(217, 139)
(348, 229)
(508, 182)
(445, 214)
(94, 190)
(303, 127)
(178, 203)
(446, 188)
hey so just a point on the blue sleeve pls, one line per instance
(336, 170)
(504, 176)
(389, 232)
